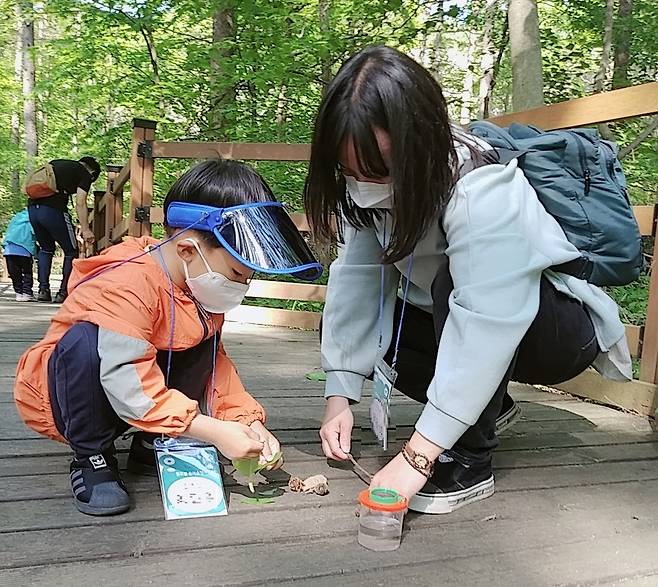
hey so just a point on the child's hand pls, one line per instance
(237, 441)
(271, 445)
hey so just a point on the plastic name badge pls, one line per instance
(383, 380)
(190, 478)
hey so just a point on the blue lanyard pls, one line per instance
(404, 304)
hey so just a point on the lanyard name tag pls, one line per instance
(383, 380)
(190, 478)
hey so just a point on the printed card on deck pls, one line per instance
(190, 478)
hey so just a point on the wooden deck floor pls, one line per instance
(576, 499)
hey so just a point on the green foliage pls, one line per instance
(100, 63)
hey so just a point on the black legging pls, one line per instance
(559, 344)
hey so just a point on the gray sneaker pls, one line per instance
(97, 486)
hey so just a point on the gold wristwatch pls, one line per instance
(418, 461)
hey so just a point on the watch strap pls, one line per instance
(410, 456)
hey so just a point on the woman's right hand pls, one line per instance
(336, 431)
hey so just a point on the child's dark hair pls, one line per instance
(93, 165)
(221, 183)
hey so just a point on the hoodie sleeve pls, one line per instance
(130, 376)
(491, 224)
(350, 329)
(230, 400)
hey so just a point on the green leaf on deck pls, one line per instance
(318, 375)
(257, 500)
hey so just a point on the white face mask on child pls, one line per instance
(370, 195)
(215, 292)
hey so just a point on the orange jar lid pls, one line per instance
(383, 500)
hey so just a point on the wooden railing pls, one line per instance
(110, 224)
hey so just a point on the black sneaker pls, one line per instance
(453, 485)
(44, 295)
(509, 414)
(60, 297)
(141, 459)
(97, 487)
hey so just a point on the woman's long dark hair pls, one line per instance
(381, 88)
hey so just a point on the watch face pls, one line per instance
(421, 461)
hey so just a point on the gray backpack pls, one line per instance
(579, 180)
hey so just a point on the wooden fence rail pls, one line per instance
(111, 225)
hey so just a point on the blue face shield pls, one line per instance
(260, 235)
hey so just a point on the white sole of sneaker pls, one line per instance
(425, 503)
(508, 419)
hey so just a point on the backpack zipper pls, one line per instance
(583, 162)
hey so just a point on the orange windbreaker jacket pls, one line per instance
(131, 305)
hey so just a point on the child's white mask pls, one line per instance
(370, 195)
(215, 292)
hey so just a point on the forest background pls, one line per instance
(74, 73)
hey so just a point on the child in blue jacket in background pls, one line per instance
(20, 249)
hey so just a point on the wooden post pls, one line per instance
(113, 213)
(98, 225)
(649, 362)
(141, 174)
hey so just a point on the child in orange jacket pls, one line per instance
(136, 342)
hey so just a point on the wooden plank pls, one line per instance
(629, 561)
(633, 337)
(275, 317)
(121, 179)
(147, 179)
(636, 396)
(649, 362)
(645, 216)
(244, 151)
(283, 290)
(325, 528)
(120, 230)
(137, 165)
(301, 221)
(605, 107)
(156, 214)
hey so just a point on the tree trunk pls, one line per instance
(222, 91)
(467, 88)
(436, 49)
(15, 115)
(496, 67)
(281, 103)
(527, 79)
(622, 44)
(147, 33)
(602, 73)
(324, 6)
(29, 79)
(488, 59)
(599, 80)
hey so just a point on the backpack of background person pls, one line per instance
(579, 180)
(41, 183)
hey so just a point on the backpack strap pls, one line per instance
(496, 156)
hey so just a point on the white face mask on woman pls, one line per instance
(370, 195)
(215, 292)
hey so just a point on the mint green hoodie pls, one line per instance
(500, 240)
